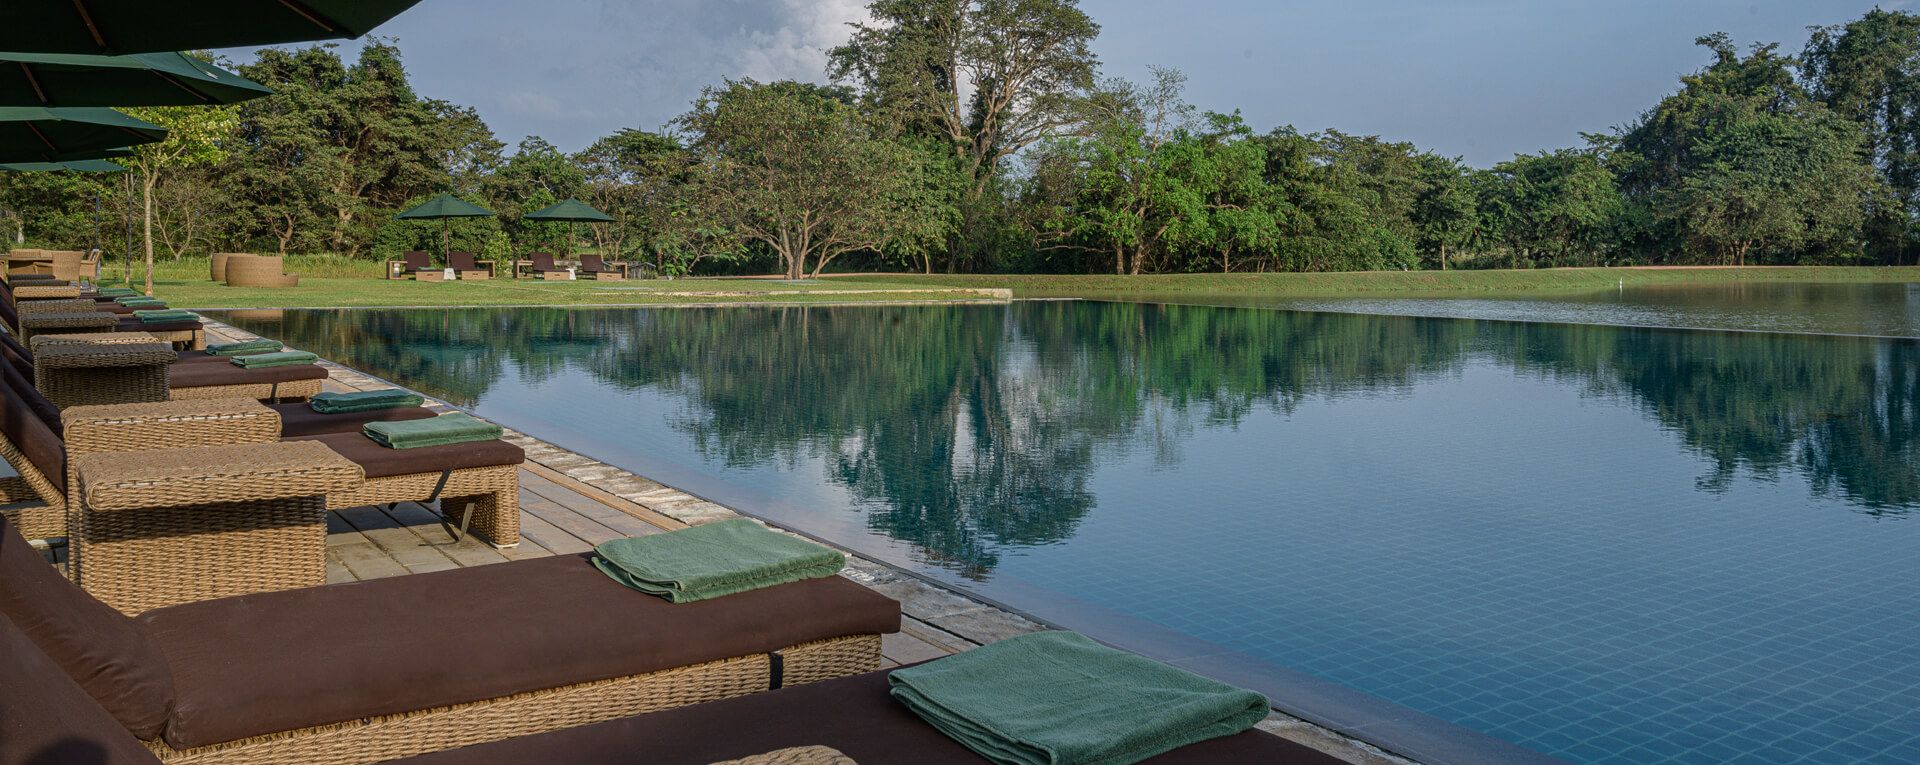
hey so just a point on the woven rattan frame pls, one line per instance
(36, 520)
(77, 373)
(92, 338)
(294, 390)
(403, 735)
(33, 290)
(73, 305)
(799, 755)
(258, 271)
(493, 493)
(163, 527)
(192, 339)
(75, 322)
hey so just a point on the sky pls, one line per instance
(1479, 79)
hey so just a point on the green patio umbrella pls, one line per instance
(145, 79)
(110, 27)
(445, 207)
(572, 211)
(41, 134)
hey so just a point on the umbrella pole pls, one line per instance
(126, 257)
(446, 241)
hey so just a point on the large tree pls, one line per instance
(196, 135)
(987, 77)
(801, 171)
(1743, 158)
(1869, 71)
(1550, 208)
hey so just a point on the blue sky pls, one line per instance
(1482, 79)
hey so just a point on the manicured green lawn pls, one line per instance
(334, 282)
(1376, 282)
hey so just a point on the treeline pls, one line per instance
(964, 135)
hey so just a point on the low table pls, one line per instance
(430, 276)
(169, 526)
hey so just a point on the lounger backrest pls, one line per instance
(29, 431)
(102, 650)
(461, 261)
(542, 261)
(592, 262)
(418, 260)
(17, 373)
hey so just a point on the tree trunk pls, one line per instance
(1119, 260)
(146, 204)
(1443, 257)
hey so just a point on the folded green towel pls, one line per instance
(145, 305)
(244, 347)
(164, 317)
(456, 428)
(135, 299)
(363, 401)
(281, 359)
(117, 292)
(713, 560)
(1061, 699)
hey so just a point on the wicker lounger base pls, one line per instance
(383, 738)
(193, 339)
(493, 492)
(137, 561)
(297, 390)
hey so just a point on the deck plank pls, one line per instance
(403, 545)
(426, 524)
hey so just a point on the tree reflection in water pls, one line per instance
(972, 429)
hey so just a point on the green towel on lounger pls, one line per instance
(130, 300)
(363, 401)
(281, 359)
(1058, 698)
(456, 428)
(145, 305)
(117, 292)
(713, 560)
(244, 347)
(165, 317)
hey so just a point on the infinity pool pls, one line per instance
(1604, 544)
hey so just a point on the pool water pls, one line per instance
(1605, 544)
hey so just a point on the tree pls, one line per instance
(1868, 70)
(195, 136)
(1445, 210)
(1554, 204)
(796, 168)
(987, 77)
(1742, 158)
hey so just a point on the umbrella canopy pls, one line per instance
(143, 26)
(572, 210)
(40, 134)
(145, 79)
(445, 206)
(80, 166)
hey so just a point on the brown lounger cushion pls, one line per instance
(284, 660)
(853, 714)
(300, 420)
(101, 649)
(130, 324)
(30, 430)
(45, 719)
(381, 462)
(195, 375)
(200, 357)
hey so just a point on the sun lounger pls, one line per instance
(854, 716)
(189, 378)
(37, 439)
(465, 267)
(544, 268)
(415, 261)
(593, 267)
(387, 668)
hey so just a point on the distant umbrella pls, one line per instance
(145, 79)
(110, 27)
(444, 208)
(40, 134)
(572, 211)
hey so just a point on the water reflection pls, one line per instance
(970, 430)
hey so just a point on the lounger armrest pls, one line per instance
(168, 425)
(213, 474)
(14, 489)
(64, 305)
(23, 291)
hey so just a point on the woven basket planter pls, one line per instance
(258, 271)
(217, 266)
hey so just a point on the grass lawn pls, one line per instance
(336, 282)
(329, 282)
(1387, 282)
